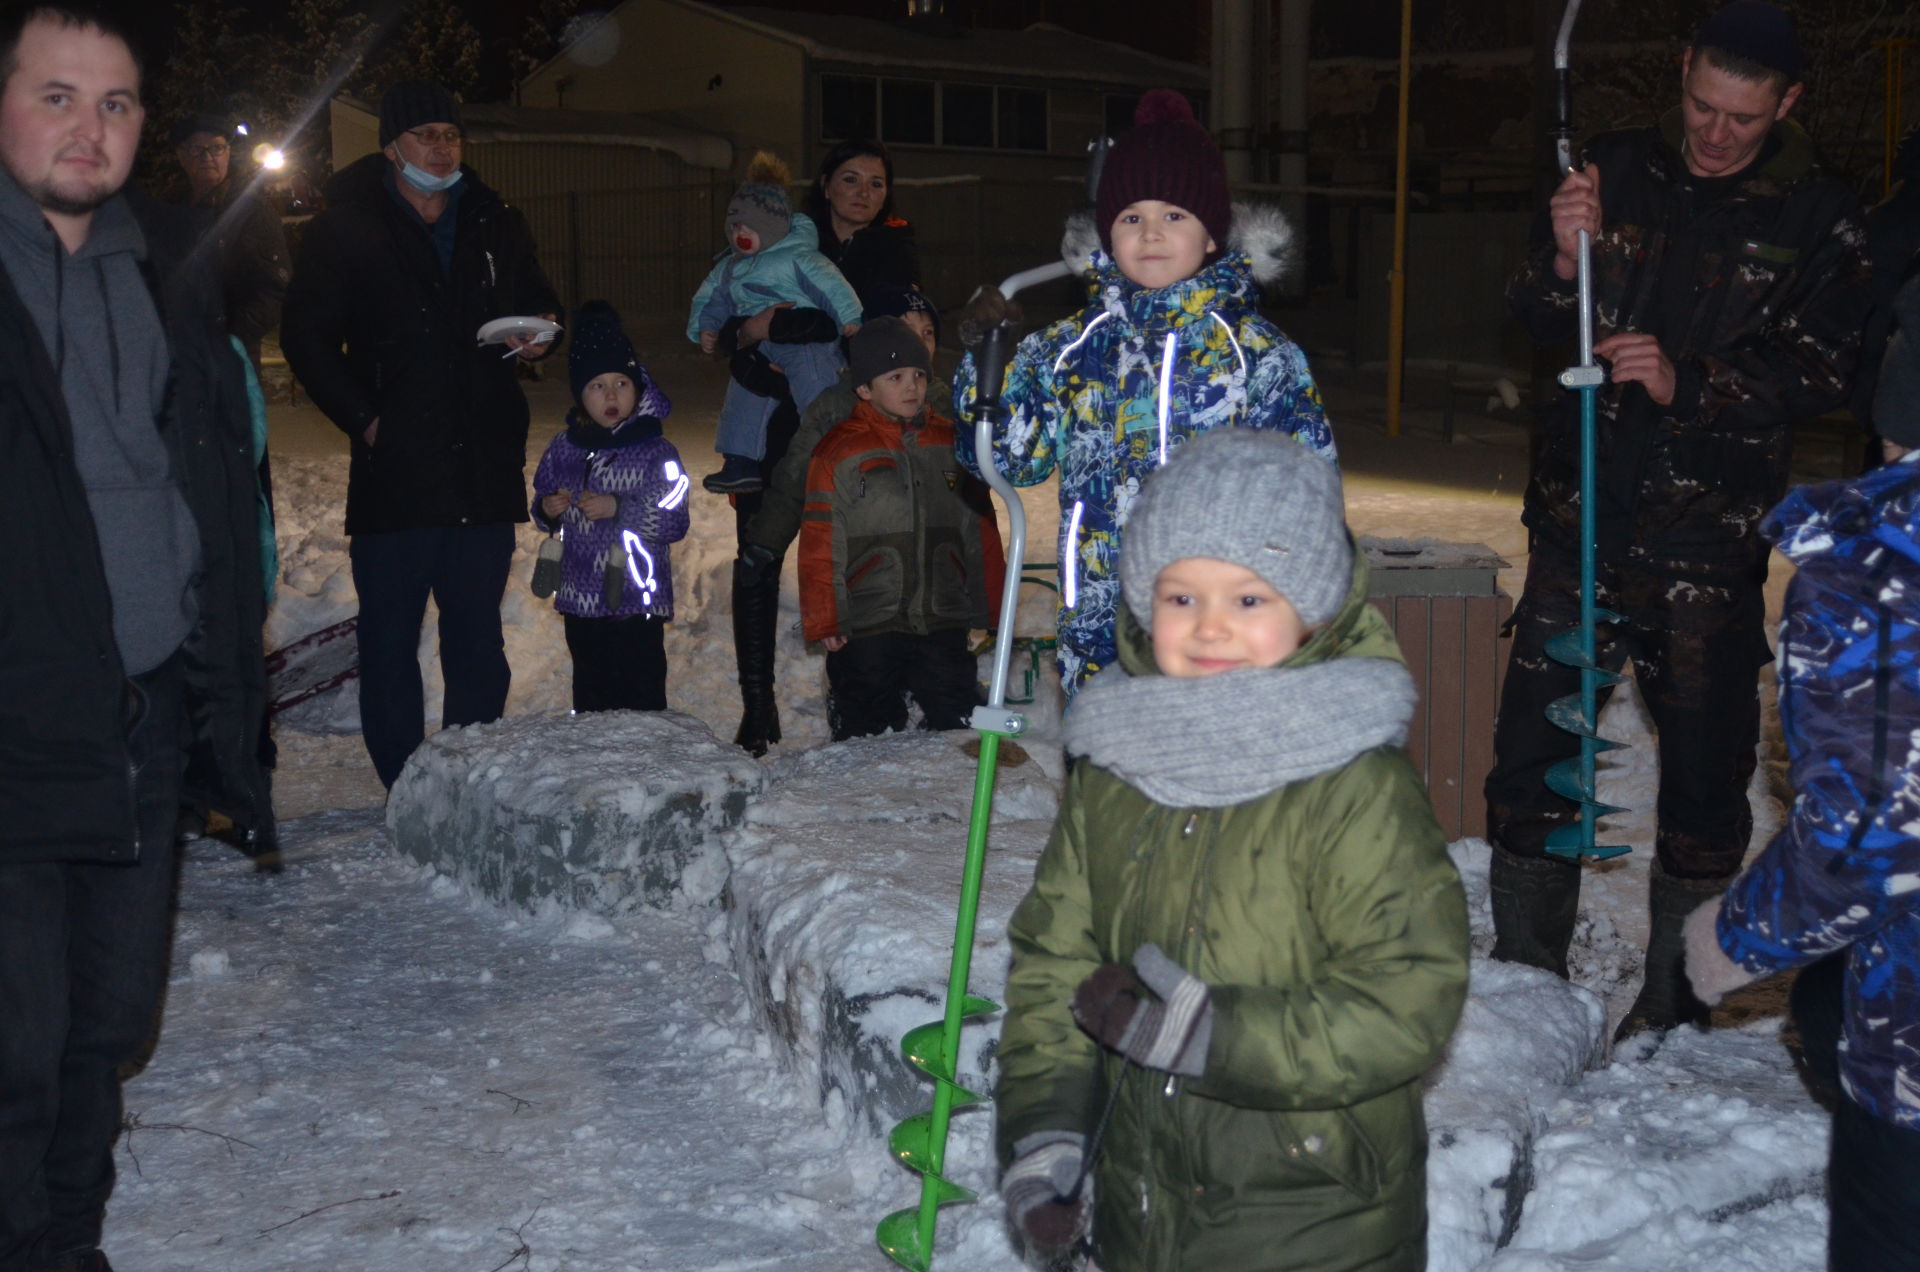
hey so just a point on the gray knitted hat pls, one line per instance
(1256, 498)
(761, 203)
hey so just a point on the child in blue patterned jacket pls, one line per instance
(774, 259)
(1837, 891)
(1173, 345)
(613, 492)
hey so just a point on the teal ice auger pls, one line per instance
(1576, 713)
(920, 1142)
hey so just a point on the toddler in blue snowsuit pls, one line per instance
(775, 259)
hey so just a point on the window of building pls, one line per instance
(906, 111)
(848, 106)
(1023, 119)
(966, 115)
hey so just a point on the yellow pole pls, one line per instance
(1397, 292)
(1893, 64)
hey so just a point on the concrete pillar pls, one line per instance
(1234, 51)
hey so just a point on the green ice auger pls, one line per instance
(934, 1048)
(1573, 778)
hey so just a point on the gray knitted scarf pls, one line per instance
(1213, 741)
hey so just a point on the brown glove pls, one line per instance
(986, 309)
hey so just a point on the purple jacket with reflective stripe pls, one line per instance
(642, 469)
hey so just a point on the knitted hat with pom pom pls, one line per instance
(600, 345)
(1169, 156)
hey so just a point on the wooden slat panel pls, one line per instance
(1486, 662)
(1412, 617)
(1446, 694)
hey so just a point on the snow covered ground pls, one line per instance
(364, 1064)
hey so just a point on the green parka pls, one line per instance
(1331, 928)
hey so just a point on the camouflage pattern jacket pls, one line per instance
(1844, 873)
(1767, 286)
(1106, 395)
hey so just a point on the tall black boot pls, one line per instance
(756, 618)
(1535, 901)
(1666, 999)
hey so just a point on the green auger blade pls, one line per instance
(1566, 841)
(1569, 715)
(899, 1237)
(922, 1044)
(1566, 780)
(912, 1142)
(1564, 647)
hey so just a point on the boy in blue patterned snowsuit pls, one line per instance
(1173, 345)
(1840, 883)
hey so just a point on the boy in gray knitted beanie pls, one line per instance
(773, 261)
(1246, 893)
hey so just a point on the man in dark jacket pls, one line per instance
(131, 602)
(1729, 284)
(412, 256)
(251, 247)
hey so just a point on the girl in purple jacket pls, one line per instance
(613, 493)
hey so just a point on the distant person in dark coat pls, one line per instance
(412, 256)
(253, 262)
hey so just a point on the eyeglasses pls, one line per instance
(435, 136)
(205, 152)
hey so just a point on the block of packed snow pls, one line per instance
(839, 908)
(603, 812)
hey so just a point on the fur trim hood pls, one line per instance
(1261, 233)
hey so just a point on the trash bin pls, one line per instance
(1446, 607)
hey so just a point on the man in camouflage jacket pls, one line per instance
(1729, 284)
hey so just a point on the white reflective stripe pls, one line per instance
(681, 484)
(637, 553)
(1228, 328)
(1070, 558)
(1068, 351)
(1166, 375)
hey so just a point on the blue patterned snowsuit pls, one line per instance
(1845, 870)
(1107, 395)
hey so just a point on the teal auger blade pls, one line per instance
(1570, 715)
(1567, 841)
(1564, 647)
(1569, 780)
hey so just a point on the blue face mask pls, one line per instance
(425, 182)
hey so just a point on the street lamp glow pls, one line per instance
(269, 157)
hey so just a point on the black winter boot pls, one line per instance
(1535, 901)
(1666, 999)
(756, 618)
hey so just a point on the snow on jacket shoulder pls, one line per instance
(894, 537)
(792, 269)
(1104, 397)
(1844, 872)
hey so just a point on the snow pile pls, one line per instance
(598, 812)
(840, 909)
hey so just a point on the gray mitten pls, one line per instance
(986, 309)
(1171, 1035)
(1036, 1189)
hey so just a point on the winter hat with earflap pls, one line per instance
(1169, 156)
(598, 345)
(414, 103)
(761, 203)
(1252, 497)
(883, 345)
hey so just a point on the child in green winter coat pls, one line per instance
(1246, 916)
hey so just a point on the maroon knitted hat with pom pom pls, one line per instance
(1168, 156)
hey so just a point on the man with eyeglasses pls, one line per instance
(411, 257)
(252, 260)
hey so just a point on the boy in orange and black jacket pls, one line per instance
(899, 553)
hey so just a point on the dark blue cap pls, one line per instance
(1759, 32)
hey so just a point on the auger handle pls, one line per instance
(991, 364)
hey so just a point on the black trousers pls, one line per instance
(83, 964)
(1873, 1169)
(619, 664)
(1697, 650)
(464, 569)
(870, 680)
